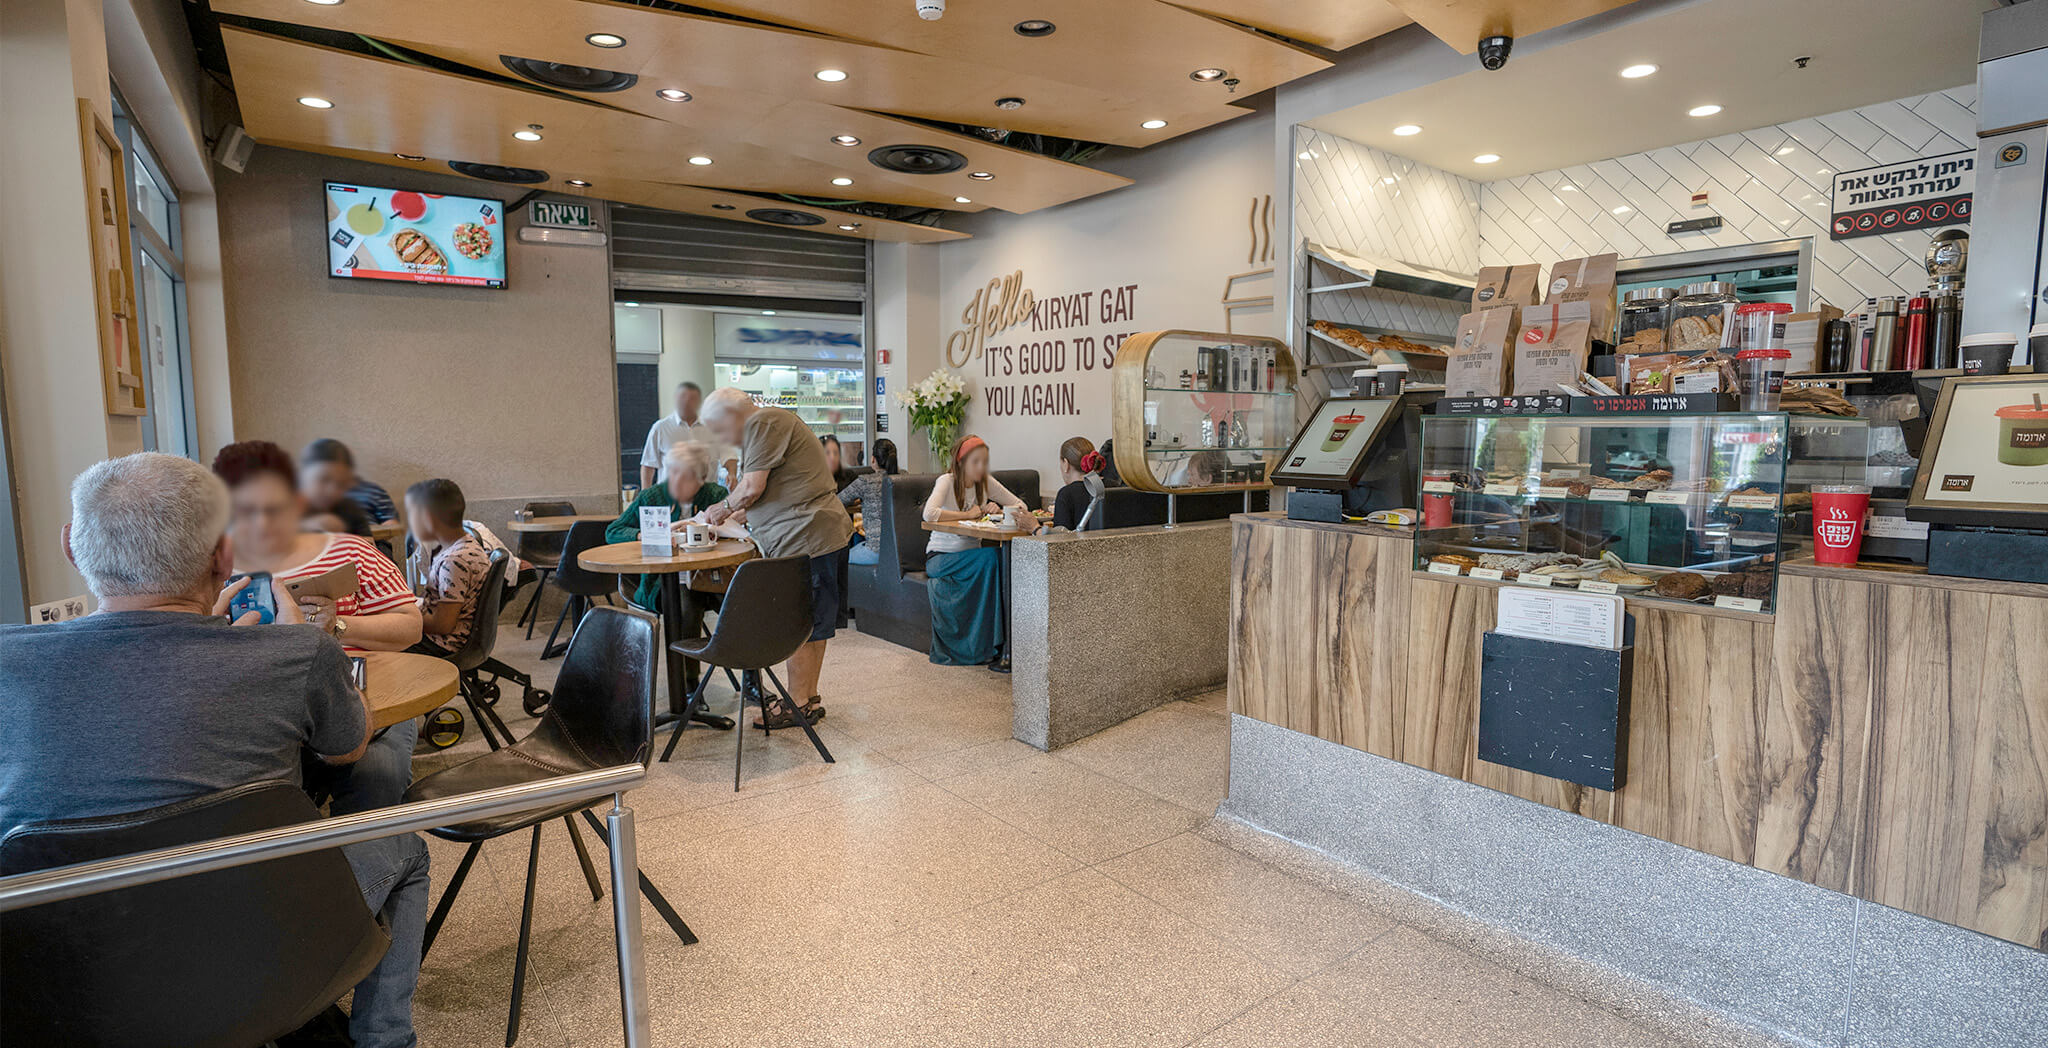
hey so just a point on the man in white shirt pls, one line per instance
(682, 426)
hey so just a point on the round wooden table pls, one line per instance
(401, 685)
(680, 614)
(544, 525)
(1002, 536)
(388, 531)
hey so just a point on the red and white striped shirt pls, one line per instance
(380, 586)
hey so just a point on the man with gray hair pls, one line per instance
(790, 502)
(157, 698)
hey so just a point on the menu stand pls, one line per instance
(1556, 709)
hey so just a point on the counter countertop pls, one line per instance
(1279, 519)
(1909, 575)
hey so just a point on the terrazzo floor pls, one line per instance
(944, 885)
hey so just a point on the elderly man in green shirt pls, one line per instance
(687, 492)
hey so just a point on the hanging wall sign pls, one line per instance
(556, 214)
(1912, 194)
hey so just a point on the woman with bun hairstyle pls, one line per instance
(963, 575)
(1078, 458)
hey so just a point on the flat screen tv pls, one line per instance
(378, 233)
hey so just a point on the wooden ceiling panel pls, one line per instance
(695, 200)
(668, 48)
(393, 107)
(1335, 24)
(1463, 23)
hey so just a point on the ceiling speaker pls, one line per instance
(518, 176)
(780, 216)
(232, 151)
(917, 160)
(569, 77)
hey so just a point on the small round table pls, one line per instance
(401, 685)
(547, 525)
(678, 619)
(1002, 537)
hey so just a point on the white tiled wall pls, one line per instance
(1767, 184)
(1361, 199)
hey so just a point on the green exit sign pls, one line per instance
(559, 215)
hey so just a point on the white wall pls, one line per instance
(1166, 243)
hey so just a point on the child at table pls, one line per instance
(452, 583)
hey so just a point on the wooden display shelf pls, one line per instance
(1128, 392)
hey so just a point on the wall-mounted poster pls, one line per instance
(113, 283)
(1911, 194)
(1986, 458)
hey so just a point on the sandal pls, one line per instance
(784, 716)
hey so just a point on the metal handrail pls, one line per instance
(91, 878)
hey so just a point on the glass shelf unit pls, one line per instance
(1196, 411)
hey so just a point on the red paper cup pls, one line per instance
(1838, 512)
(1436, 508)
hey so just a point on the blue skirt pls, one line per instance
(967, 618)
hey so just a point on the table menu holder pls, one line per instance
(1556, 709)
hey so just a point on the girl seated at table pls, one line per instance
(688, 491)
(964, 575)
(1078, 458)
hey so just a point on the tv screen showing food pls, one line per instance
(377, 233)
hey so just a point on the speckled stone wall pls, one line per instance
(1109, 624)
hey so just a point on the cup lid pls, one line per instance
(2024, 411)
(1763, 307)
(1764, 354)
(1989, 338)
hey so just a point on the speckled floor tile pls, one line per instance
(1302, 1017)
(1089, 816)
(983, 757)
(1177, 752)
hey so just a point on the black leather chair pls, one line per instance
(890, 599)
(226, 959)
(601, 717)
(543, 550)
(766, 617)
(581, 585)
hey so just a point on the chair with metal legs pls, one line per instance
(601, 717)
(764, 618)
(583, 586)
(543, 550)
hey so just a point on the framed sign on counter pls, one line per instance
(1986, 456)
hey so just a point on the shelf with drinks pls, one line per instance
(1196, 411)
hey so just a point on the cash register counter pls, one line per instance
(1883, 735)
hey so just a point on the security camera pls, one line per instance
(1493, 51)
(931, 10)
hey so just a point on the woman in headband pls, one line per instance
(963, 575)
(1078, 458)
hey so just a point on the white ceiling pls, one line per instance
(1568, 105)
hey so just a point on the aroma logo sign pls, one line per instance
(1000, 305)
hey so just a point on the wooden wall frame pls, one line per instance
(1127, 405)
(113, 275)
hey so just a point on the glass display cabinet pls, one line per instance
(1680, 507)
(1200, 411)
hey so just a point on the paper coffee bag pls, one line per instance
(1551, 350)
(1479, 360)
(1505, 286)
(1590, 280)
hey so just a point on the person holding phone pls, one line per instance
(963, 574)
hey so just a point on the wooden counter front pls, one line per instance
(1883, 737)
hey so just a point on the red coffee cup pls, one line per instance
(1436, 508)
(1838, 512)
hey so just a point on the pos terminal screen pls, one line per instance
(1330, 450)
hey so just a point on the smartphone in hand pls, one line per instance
(258, 597)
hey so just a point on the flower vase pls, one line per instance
(941, 437)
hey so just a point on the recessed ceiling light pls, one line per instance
(1206, 75)
(980, 176)
(409, 156)
(1487, 158)
(672, 94)
(700, 161)
(849, 226)
(845, 140)
(1011, 102)
(311, 102)
(842, 181)
(1153, 125)
(324, 3)
(1035, 27)
(1637, 72)
(722, 207)
(962, 200)
(605, 40)
(1408, 129)
(579, 183)
(831, 76)
(1705, 110)
(527, 136)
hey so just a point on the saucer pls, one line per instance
(685, 547)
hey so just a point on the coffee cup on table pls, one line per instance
(1989, 353)
(697, 533)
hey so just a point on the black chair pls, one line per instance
(225, 959)
(543, 550)
(601, 717)
(581, 584)
(473, 660)
(766, 617)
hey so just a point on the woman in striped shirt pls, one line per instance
(265, 536)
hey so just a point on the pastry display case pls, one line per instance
(1200, 411)
(1680, 507)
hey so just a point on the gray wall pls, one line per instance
(509, 393)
